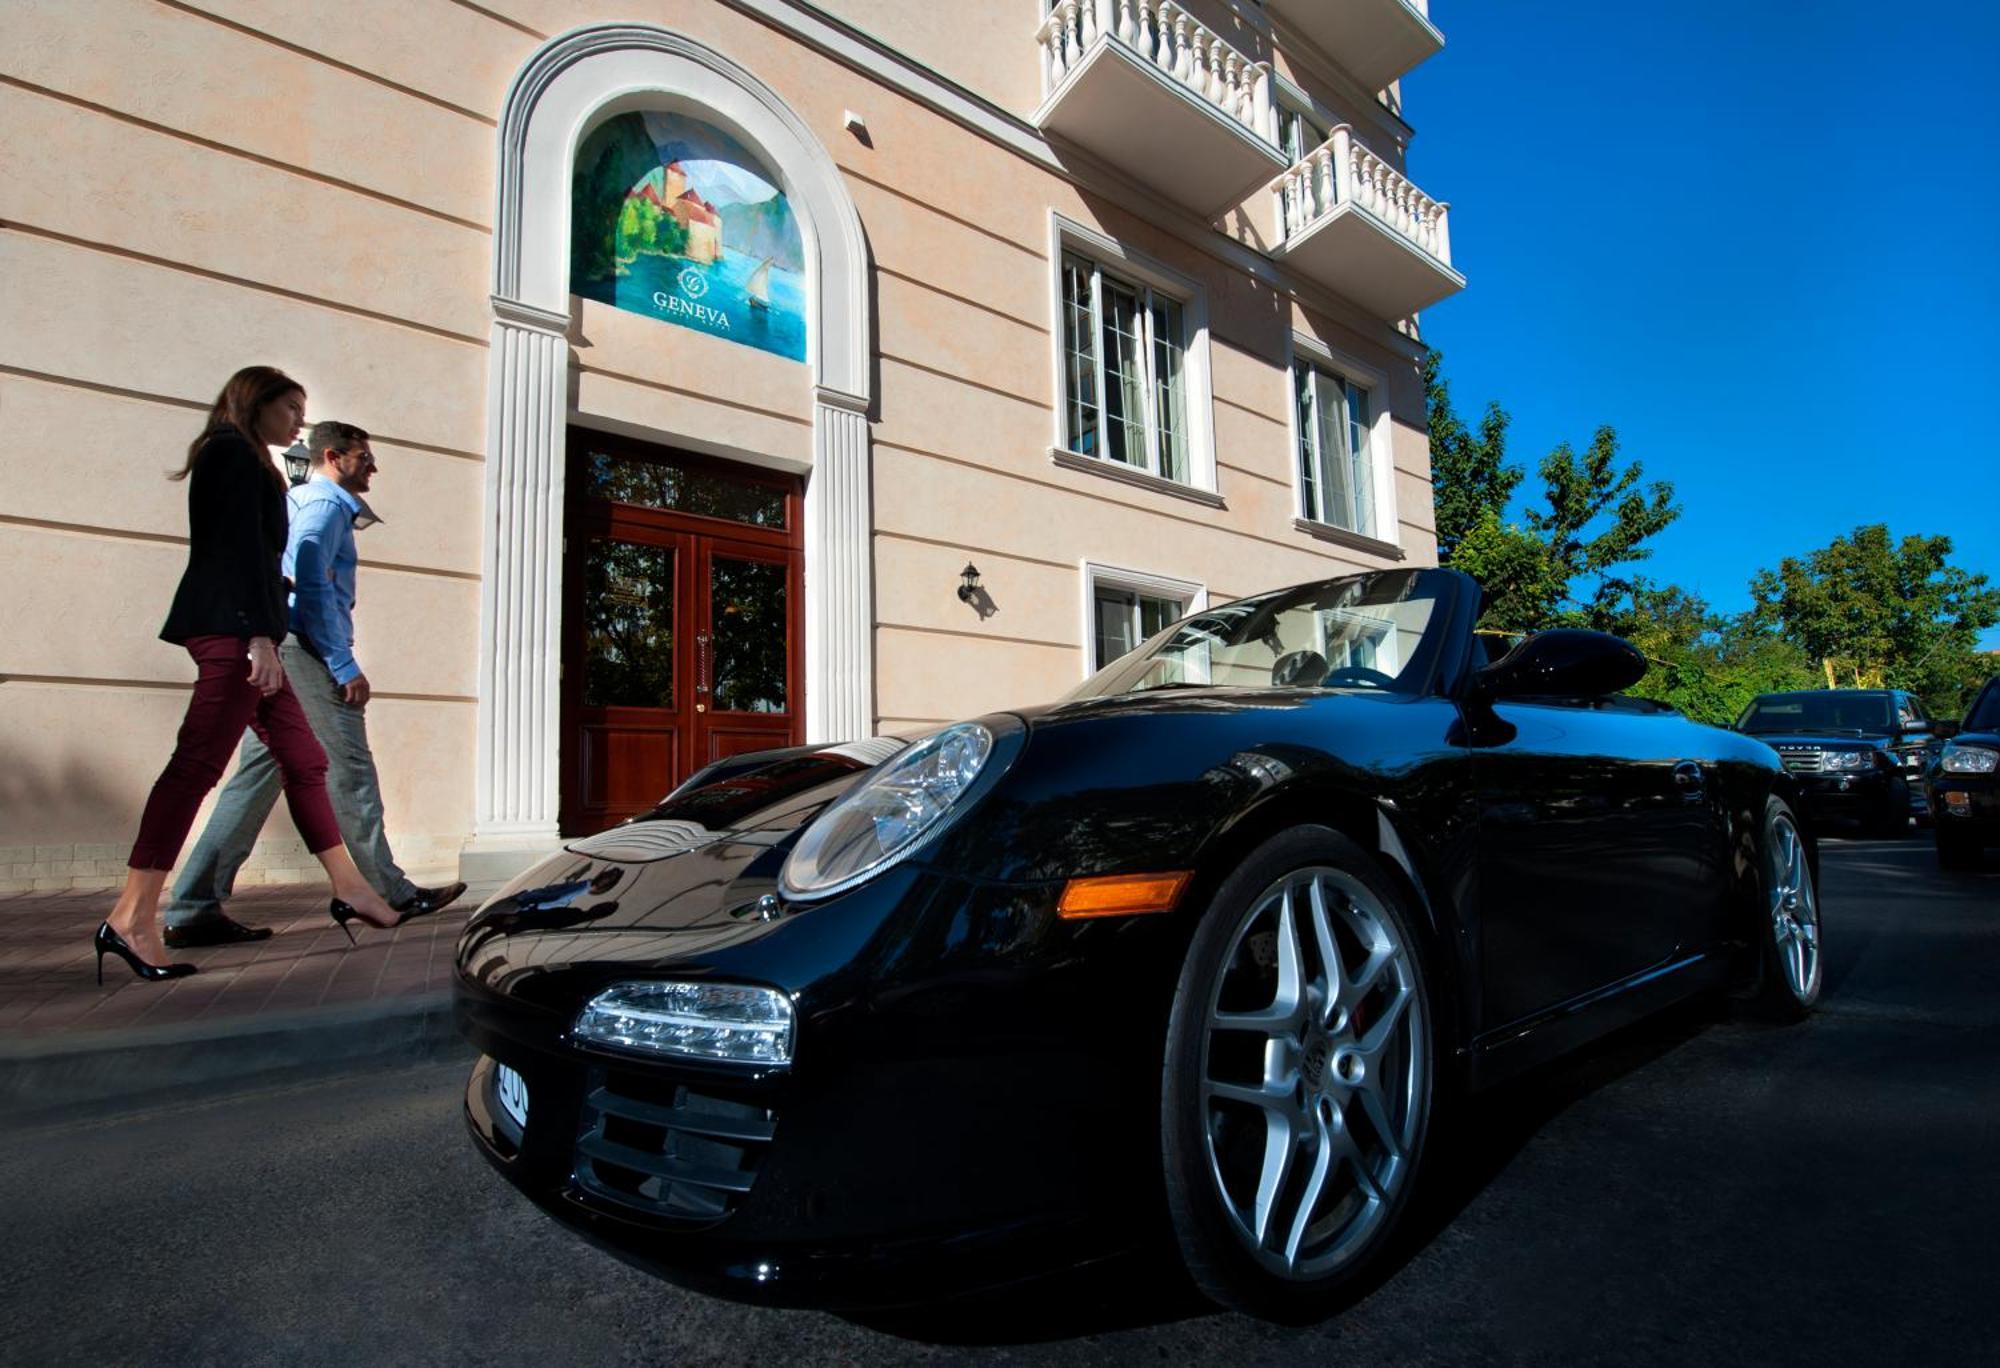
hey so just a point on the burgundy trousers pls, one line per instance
(224, 703)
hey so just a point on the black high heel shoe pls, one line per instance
(109, 942)
(344, 912)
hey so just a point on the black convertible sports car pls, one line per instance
(1204, 945)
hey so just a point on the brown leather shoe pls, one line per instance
(219, 929)
(427, 900)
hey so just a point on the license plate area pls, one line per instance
(510, 1091)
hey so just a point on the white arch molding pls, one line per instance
(573, 83)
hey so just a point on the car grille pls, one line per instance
(665, 1150)
(1802, 759)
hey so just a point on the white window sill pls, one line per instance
(1124, 474)
(1353, 541)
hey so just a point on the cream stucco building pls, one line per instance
(1112, 300)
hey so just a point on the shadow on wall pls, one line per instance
(65, 806)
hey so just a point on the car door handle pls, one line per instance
(1687, 778)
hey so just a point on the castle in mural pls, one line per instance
(672, 218)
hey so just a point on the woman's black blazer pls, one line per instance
(234, 584)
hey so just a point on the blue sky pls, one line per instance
(1757, 238)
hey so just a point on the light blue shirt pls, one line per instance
(320, 561)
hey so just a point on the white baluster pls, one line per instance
(1051, 56)
(1072, 49)
(1087, 28)
(1227, 87)
(1184, 70)
(1325, 179)
(1128, 27)
(1260, 100)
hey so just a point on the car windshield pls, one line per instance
(1817, 712)
(1378, 631)
(1985, 714)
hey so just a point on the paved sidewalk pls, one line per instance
(48, 982)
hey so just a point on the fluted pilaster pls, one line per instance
(520, 595)
(840, 575)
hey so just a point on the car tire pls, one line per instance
(1790, 971)
(1300, 1078)
(1955, 850)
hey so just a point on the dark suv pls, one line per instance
(1963, 784)
(1859, 754)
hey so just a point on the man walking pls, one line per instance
(318, 656)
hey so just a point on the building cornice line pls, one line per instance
(231, 150)
(254, 286)
(1206, 522)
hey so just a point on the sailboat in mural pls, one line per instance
(758, 288)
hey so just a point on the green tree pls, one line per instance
(1870, 611)
(1469, 469)
(1707, 665)
(1560, 565)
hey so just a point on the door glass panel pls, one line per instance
(748, 613)
(655, 484)
(628, 625)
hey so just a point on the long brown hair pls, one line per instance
(240, 404)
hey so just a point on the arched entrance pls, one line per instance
(570, 87)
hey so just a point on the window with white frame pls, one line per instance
(1336, 462)
(1124, 371)
(1125, 608)
(1126, 617)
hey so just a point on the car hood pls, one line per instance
(1977, 738)
(701, 868)
(698, 862)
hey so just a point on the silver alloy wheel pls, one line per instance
(1794, 907)
(1314, 1072)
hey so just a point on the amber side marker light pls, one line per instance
(1122, 895)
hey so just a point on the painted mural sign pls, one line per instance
(672, 218)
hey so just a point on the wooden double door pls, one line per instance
(683, 581)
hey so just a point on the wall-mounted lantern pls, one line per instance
(968, 582)
(298, 463)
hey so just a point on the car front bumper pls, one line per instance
(1862, 796)
(972, 1078)
(1966, 806)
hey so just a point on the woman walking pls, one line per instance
(230, 614)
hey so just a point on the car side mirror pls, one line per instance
(1916, 725)
(1564, 663)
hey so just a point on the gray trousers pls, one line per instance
(208, 876)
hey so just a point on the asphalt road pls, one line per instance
(1700, 1191)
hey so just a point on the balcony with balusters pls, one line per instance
(1355, 224)
(1144, 86)
(1374, 41)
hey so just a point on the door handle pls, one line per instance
(701, 662)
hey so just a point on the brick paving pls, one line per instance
(48, 982)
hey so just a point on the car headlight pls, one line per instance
(1959, 759)
(729, 1021)
(888, 814)
(1847, 760)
